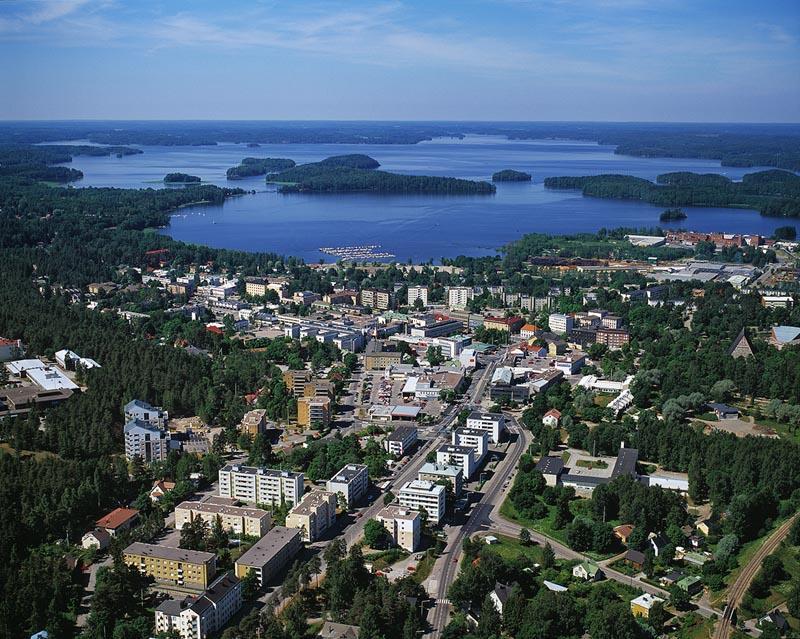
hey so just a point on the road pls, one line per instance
(736, 591)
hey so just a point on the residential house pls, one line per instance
(97, 538)
(587, 571)
(500, 595)
(641, 606)
(551, 418)
(118, 521)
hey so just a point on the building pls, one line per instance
(97, 538)
(507, 324)
(314, 412)
(500, 595)
(376, 298)
(254, 422)
(147, 441)
(461, 456)
(256, 286)
(741, 346)
(784, 336)
(587, 571)
(424, 495)
(571, 364)
(476, 439)
(551, 418)
(611, 321)
(352, 482)
(48, 378)
(331, 630)
(10, 349)
(613, 338)
(403, 524)
(71, 361)
(378, 357)
(641, 606)
(23, 399)
(118, 521)
(313, 515)
(437, 473)
(560, 323)
(138, 409)
(174, 566)
(492, 423)
(723, 411)
(551, 468)
(459, 296)
(260, 485)
(197, 617)
(296, 381)
(252, 522)
(269, 554)
(418, 293)
(400, 440)
(529, 331)
(777, 301)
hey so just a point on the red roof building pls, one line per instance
(118, 520)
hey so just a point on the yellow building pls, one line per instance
(175, 566)
(253, 522)
(296, 381)
(313, 411)
(640, 607)
(313, 515)
(318, 388)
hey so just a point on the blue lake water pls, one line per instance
(413, 227)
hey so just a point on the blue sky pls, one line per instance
(645, 60)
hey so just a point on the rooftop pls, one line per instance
(171, 554)
(268, 546)
(258, 470)
(218, 509)
(117, 518)
(349, 473)
(401, 433)
(393, 511)
(550, 465)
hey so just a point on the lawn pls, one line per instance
(591, 463)
(693, 626)
(511, 549)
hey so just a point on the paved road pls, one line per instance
(737, 590)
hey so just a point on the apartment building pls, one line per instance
(442, 472)
(260, 485)
(378, 357)
(476, 439)
(376, 298)
(296, 381)
(560, 323)
(403, 524)
(256, 286)
(611, 321)
(418, 293)
(507, 324)
(459, 296)
(138, 409)
(400, 440)
(313, 515)
(269, 554)
(492, 423)
(613, 338)
(461, 456)
(147, 441)
(313, 412)
(254, 422)
(351, 482)
(318, 388)
(253, 522)
(173, 566)
(197, 617)
(424, 495)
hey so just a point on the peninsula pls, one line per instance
(250, 167)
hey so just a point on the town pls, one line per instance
(481, 446)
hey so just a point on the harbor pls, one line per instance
(361, 253)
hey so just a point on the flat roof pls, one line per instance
(394, 511)
(431, 468)
(259, 470)
(550, 465)
(169, 553)
(401, 433)
(348, 473)
(476, 414)
(219, 509)
(266, 548)
(311, 502)
(453, 448)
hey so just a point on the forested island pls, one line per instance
(672, 215)
(250, 167)
(510, 175)
(356, 173)
(35, 162)
(774, 193)
(181, 178)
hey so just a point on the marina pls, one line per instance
(363, 252)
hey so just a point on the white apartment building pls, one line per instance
(425, 495)
(561, 323)
(461, 456)
(403, 524)
(459, 296)
(313, 515)
(260, 485)
(492, 423)
(376, 298)
(253, 522)
(476, 439)
(199, 617)
(400, 441)
(418, 293)
(145, 440)
(440, 472)
(351, 482)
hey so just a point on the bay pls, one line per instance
(418, 228)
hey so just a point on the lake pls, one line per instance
(418, 228)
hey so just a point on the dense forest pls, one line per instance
(250, 167)
(510, 175)
(181, 178)
(773, 193)
(35, 162)
(355, 173)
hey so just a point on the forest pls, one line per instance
(510, 175)
(250, 167)
(181, 178)
(774, 193)
(35, 162)
(355, 173)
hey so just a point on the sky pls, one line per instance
(615, 60)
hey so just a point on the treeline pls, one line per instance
(771, 192)
(510, 175)
(250, 167)
(34, 162)
(180, 178)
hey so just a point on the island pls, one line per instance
(250, 167)
(773, 193)
(510, 175)
(181, 178)
(357, 174)
(672, 215)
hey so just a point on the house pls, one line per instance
(551, 468)
(500, 595)
(623, 532)
(160, 488)
(551, 418)
(775, 618)
(587, 571)
(707, 527)
(723, 411)
(658, 543)
(331, 630)
(640, 607)
(97, 538)
(118, 520)
(672, 577)
(691, 584)
(634, 558)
